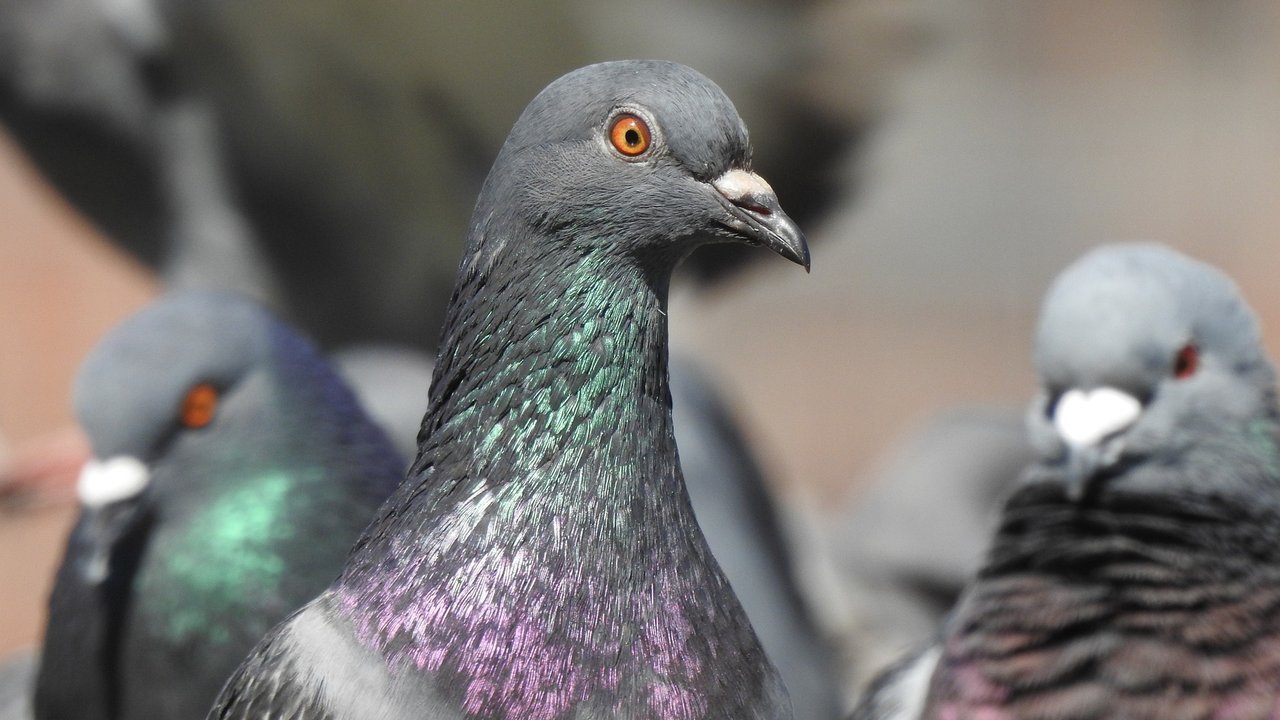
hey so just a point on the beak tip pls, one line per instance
(804, 258)
(791, 244)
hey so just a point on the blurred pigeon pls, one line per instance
(736, 513)
(1136, 572)
(392, 383)
(233, 470)
(542, 560)
(341, 144)
(899, 579)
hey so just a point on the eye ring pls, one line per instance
(199, 406)
(630, 135)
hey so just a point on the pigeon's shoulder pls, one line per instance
(311, 666)
(271, 683)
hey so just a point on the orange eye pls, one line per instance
(199, 406)
(629, 135)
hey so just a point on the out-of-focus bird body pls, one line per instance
(1136, 570)
(236, 523)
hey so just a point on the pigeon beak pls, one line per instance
(1088, 423)
(110, 498)
(755, 214)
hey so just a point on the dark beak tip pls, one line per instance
(778, 232)
(792, 244)
(800, 257)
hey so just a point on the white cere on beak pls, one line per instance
(736, 184)
(103, 482)
(1085, 417)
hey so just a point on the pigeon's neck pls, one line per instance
(551, 398)
(552, 360)
(547, 518)
(1197, 513)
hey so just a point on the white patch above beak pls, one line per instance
(1084, 418)
(737, 184)
(103, 482)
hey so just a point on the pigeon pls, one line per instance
(727, 488)
(542, 559)
(1135, 572)
(232, 472)
(898, 580)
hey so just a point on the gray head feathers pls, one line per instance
(1143, 352)
(558, 185)
(167, 348)
(1119, 315)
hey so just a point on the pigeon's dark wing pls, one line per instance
(75, 677)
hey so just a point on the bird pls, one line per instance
(727, 487)
(542, 560)
(232, 471)
(1135, 571)
(899, 579)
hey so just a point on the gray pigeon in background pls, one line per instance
(739, 517)
(543, 560)
(1136, 569)
(911, 543)
(232, 472)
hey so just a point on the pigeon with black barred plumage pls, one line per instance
(1136, 570)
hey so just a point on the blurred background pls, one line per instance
(946, 157)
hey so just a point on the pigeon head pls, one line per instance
(188, 350)
(642, 159)
(1139, 350)
(174, 402)
(163, 379)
